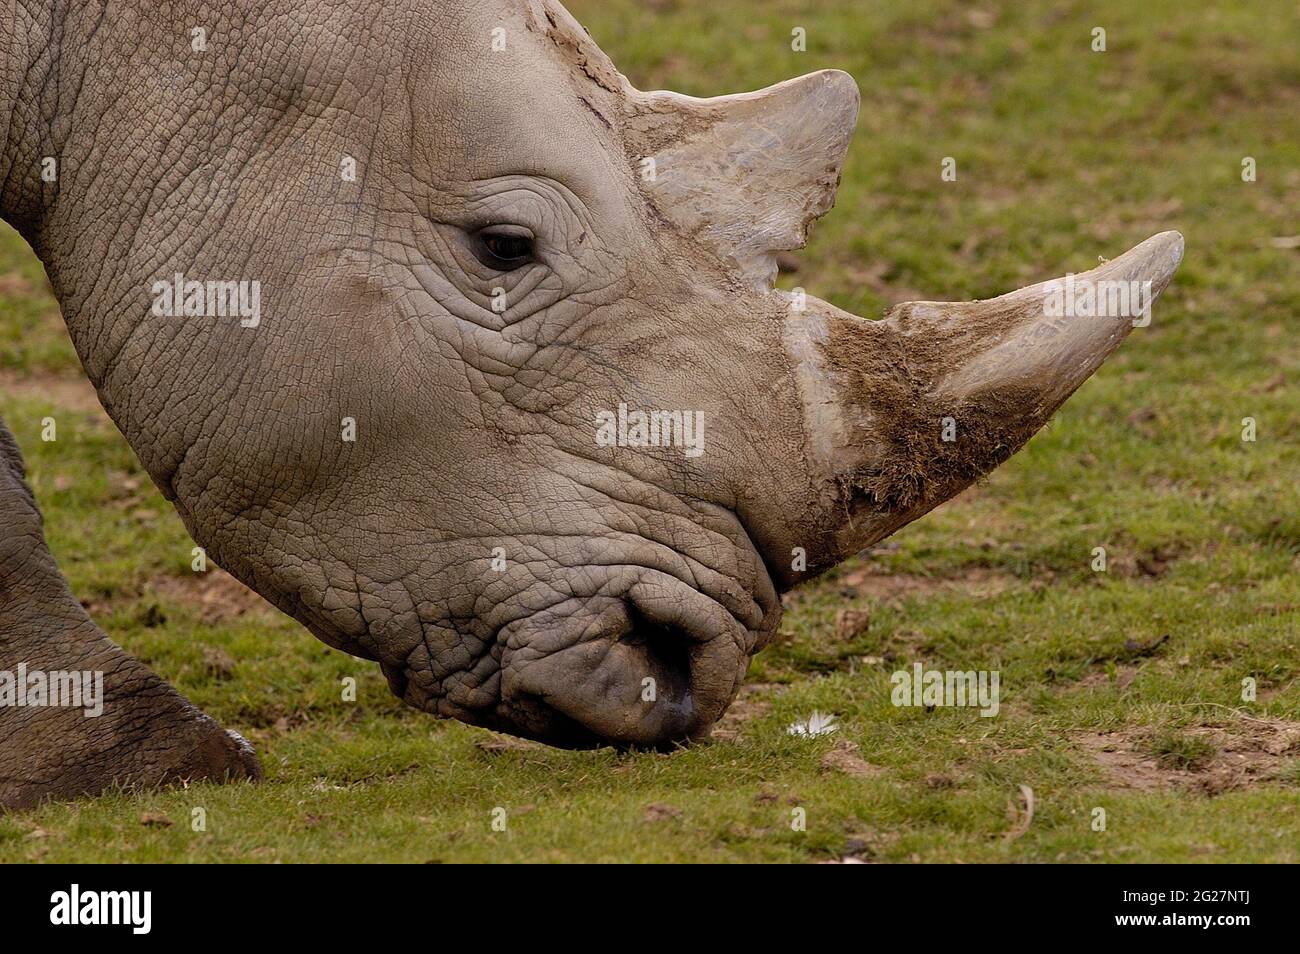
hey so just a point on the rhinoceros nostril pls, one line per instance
(667, 659)
(664, 696)
(622, 672)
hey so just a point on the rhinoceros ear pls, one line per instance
(746, 174)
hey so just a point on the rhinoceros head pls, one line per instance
(514, 408)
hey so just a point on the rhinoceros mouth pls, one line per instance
(644, 642)
(653, 668)
(645, 658)
(634, 656)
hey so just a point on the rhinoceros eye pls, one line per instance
(503, 247)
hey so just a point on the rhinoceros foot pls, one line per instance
(147, 735)
(78, 716)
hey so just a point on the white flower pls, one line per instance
(817, 724)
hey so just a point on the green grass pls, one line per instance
(1063, 154)
(1181, 751)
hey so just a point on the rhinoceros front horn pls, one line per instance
(906, 412)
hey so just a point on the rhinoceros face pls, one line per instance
(521, 416)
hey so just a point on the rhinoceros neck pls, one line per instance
(106, 114)
(29, 121)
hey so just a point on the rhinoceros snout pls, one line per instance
(653, 668)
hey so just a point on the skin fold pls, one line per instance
(501, 564)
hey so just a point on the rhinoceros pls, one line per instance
(467, 354)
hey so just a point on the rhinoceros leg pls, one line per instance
(146, 733)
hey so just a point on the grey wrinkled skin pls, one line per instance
(475, 429)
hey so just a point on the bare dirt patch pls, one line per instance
(749, 705)
(851, 623)
(659, 812)
(1244, 752)
(216, 596)
(1153, 562)
(1121, 679)
(843, 757)
(68, 392)
(13, 285)
(892, 587)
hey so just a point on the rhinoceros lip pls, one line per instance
(593, 691)
(693, 638)
(574, 675)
